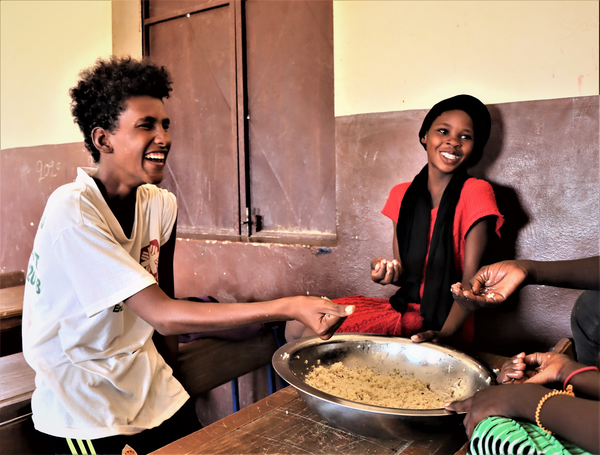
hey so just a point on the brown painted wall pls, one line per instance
(542, 159)
(28, 175)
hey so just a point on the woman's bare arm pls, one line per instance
(575, 419)
(475, 246)
(494, 283)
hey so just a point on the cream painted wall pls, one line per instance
(389, 55)
(127, 28)
(44, 45)
(396, 55)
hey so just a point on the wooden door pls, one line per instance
(252, 115)
(291, 128)
(197, 45)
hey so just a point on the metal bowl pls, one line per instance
(439, 365)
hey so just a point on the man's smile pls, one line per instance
(158, 157)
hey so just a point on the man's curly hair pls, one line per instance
(99, 97)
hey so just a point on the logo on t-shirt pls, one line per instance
(149, 258)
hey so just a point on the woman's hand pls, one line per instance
(491, 285)
(430, 335)
(549, 367)
(500, 400)
(455, 320)
(320, 315)
(385, 271)
(513, 370)
(546, 368)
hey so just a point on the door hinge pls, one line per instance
(252, 220)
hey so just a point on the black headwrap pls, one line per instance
(480, 116)
(413, 225)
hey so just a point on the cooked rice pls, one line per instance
(394, 390)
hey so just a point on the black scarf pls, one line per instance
(412, 233)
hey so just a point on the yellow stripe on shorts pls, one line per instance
(71, 446)
(81, 447)
(90, 446)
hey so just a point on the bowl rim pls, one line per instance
(281, 366)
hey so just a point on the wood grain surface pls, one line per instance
(282, 424)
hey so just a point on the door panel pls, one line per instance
(202, 168)
(291, 115)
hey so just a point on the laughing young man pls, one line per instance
(100, 279)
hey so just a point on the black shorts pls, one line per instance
(181, 424)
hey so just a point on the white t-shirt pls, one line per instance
(98, 372)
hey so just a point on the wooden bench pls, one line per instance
(209, 363)
(12, 288)
(16, 387)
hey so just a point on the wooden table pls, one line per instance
(282, 424)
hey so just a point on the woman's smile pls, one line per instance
(449, 141)
(449, 156)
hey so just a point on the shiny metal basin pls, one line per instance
(441, 366)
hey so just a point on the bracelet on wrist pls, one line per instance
(568, 392)
(580, 370)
